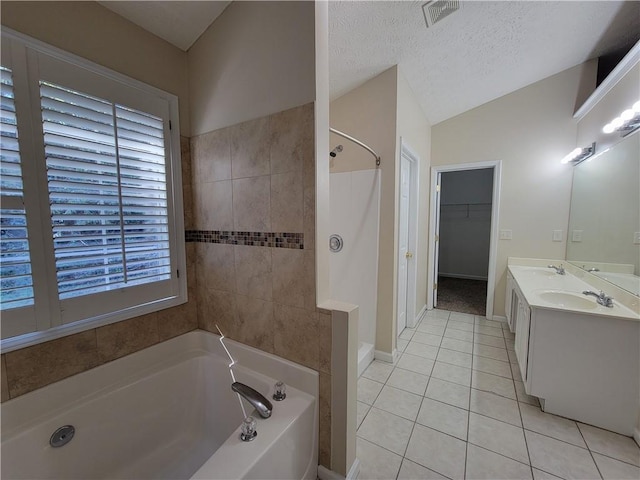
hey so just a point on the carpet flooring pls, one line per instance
(462, 295)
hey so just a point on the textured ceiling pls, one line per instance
(179, 23)
(479, 53)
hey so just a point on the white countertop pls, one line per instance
(538, 283)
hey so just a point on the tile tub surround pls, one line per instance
(253, 231)
(443, 423)
(34, 367)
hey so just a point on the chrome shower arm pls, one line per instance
(355, 140)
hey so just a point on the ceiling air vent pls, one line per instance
(436, 10)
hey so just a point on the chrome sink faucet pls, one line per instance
(559, 270)
(255, 398)
(601, 298)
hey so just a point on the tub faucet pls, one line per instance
(559, 270)
(601, 298)
(255, 398)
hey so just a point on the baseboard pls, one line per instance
(419, 316)
(387, 357)
(499, 318)
(636, 435)
(325, 474)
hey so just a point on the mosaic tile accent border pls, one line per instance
(258, 239)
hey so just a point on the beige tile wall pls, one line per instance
(259, 176)
(34, 367)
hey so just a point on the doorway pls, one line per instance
(463, 234)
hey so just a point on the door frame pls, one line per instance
(493, 242)
(412, 244)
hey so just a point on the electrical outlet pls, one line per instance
(576, 236)
(636, 238)
(506, 235)
(557, 235)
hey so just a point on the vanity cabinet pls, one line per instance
(581, 366)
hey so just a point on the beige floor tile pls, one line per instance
(489, 365)
(465, 327)
(457, 345)
(444, 418)
(410, 381)
(560, 458)
(495, 406)
(435, 321)
(612, 469)
(412, 471)
(498, 437)
(402, 344)
(386, 430)
(494, 332)
(415, 364)
(489, 340)
(431, 329)
(376, 463)
(462, 317)
(439, 313)
(399, 402)
(611, 444)
(363, 409)
(378, 371)
(489, 323)
(455, 358)
(422, 350)
(447, 392)
(494, 384)
(485, 465)
(437, 451)
(551, 425)
(407, 334)
(427, 338)
(541, 475)
(458, 334)
(368, 390)
(452, 373)
(491, 352)
(522, 395)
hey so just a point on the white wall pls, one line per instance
(465, 223)
(246, 66)
(91, 31)
(529, 130)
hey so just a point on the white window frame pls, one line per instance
(26, 56)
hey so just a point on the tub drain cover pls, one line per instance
(62, 436)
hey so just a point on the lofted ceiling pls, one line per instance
(475, 55)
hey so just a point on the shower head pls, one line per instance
(335, 151)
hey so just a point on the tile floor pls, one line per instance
(454, 407)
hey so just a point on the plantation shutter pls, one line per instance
(107, 183)
(16, 284)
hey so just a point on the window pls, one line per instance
(91, 212)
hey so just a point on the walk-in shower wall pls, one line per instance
(355, 213)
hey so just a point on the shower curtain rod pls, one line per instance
(355, 140)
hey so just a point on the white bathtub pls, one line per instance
(166, 412)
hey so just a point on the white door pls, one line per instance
(404, 255)
(437, 241)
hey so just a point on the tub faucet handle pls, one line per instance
(248, 429)
(279, 391)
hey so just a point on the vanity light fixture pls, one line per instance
(627, 122)
(579, 155)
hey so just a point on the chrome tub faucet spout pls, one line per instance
(255, 398)
(601, 298)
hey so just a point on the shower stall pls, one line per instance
(355, 214)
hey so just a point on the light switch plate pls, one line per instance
(576, 236)
(557, 235)
(506, 234)
(636, 238)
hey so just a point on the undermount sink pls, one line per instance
(567, 300)
(539, 271)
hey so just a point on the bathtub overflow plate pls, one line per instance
(335, 243)
(62, 436)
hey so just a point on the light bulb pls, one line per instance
(608, 128)
(636, 107)
(576, 151)
(628, 114)
(617, 122)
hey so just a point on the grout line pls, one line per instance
(590, 452)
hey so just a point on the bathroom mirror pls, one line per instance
(604, 221)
